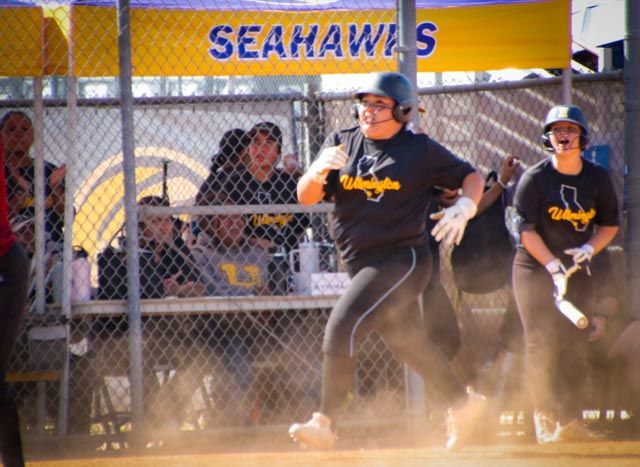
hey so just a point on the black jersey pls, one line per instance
(564, 209)
(282, 228)
(381, 193)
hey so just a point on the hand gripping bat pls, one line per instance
(567, 308)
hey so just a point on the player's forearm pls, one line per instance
(309, 190)
(535, 246)
(603, 236)
(473, 186)
(489, 197)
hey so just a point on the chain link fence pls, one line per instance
(236, 279)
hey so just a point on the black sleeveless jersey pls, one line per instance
(564, 209)
(381, 193)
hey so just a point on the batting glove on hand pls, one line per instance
(331, 158)
(453, 220)
(559, 276)
(581, 254)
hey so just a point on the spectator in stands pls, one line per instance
(166, 269)
(231, 266)
(259, 181)
(16, 130)
(223, 163)
(166, 266)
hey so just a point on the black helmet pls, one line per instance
(393, 85)
(566, 113)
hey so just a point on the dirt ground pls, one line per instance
(610, 453)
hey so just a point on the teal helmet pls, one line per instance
(566, 113)
(393, 85)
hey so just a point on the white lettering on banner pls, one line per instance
(286, 41)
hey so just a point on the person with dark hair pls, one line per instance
(167, 269)
(16, 130)
(232, 146)
(568, 212)
(14, 273)
(230, 264)
(380, 175)
(259, 181)
(166, 266)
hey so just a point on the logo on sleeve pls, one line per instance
(571, 210)
(367, 181)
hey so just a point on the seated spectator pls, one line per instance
(166, 269)
(16, 130)
(259, 181)
(232, 146)
(230, 264)
(166, 266)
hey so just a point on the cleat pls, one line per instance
(314, 434)
(462, 422)
(547, 427)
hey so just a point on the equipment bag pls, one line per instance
(482, 261)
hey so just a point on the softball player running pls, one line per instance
(380, 176)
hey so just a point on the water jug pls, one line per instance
(304, 261)
(80, 276)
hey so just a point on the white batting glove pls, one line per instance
(559, 276)
(331, 158)
(581, 254)
(453, 220)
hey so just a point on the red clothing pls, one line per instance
(7, 238)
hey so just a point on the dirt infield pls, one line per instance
(610, 453)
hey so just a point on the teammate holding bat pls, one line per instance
(569, 212)
(380, 175)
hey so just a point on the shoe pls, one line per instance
(547, 427)
(577, 432)
(316, 433)
(461, 422)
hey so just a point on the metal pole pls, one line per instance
(39, 192)
(567, 82)
(131, 216)
(67, 239)
(408, 66)
(632, 150)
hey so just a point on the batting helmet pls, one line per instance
(397, 87)
(566, 113)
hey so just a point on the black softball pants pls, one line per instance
(555, 350)
(14, 277)
(383, 297)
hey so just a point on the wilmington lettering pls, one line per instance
(281, 220)
(566, 214)
(371, 186)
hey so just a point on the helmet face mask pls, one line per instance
(566, 113)
(397, 87)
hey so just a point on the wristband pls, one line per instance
(502, 184)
